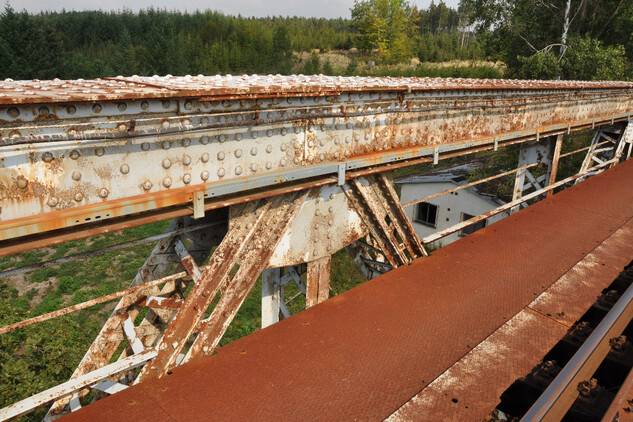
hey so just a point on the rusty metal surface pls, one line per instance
(364, 353)
(225, 86)
(511, 351)
(75, 152)
(470, 389)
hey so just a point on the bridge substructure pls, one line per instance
(271, 175)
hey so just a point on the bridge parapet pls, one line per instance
(76, 152)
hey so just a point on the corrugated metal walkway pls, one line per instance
(365, 353)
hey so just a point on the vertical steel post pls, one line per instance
(553, 168)
(272, 295)
(318, 281)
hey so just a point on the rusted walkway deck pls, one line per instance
(367, 352)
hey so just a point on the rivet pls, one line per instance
(167, 182)
(74, 154)
(166, 124)
(322, 142)
(186, 160)
(221, 172)
(166, 104)
(254, 134)
(282, 163)
(296, 160)
(147, 185)
(253, 167)
(43, 111)
(122, 106)
(186, 142)
(13, 112)
(269, 148)
(204, 140)
(330, 209)
(331, 196)
(188, 105)
(166, 163)
(96, 108)
(52, 202)
(222, 138)
(47, 157)
(99, 151)
(166, 144)
(347, 140)
(204, 175)
(125, 169)
(186, 178)
(283, 147)
(144, 105)
(238, 153)
(269, 165)
(145, 146)
(254, 151)
(238, 136)
(310, 158)
(238, 170)
(321, 157)
(76, 176)
(103, 193)
(22, 182)
(284, 131)
(297, 130)
(310, 144)
(71, 109)
(269, 132)
(330, 222)
(79, 197)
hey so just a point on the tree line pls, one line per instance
(91, 44)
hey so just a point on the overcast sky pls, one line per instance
(318, 8)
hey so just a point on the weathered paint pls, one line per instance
(76, 152)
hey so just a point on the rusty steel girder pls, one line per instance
(76, 152)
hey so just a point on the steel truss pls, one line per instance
(200, 271)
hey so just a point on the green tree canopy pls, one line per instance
(386, 25)
(528, 34)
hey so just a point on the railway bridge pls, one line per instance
(269, 176)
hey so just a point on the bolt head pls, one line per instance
(22, 182)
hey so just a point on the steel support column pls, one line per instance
(318, 281)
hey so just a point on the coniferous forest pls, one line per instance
(97, 44)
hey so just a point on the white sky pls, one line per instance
(317, 8)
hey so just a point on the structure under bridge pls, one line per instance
(269, 176)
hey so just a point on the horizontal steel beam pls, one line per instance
(149, 144)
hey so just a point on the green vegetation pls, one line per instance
(93, 44)
(570, 39)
